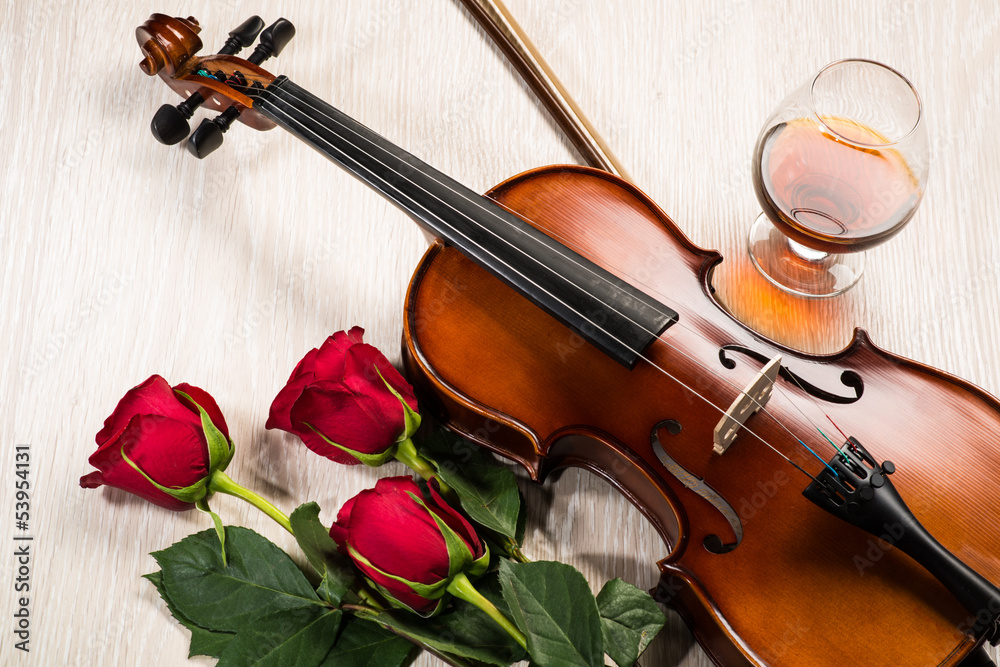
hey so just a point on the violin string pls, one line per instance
(655, 291)
(480, 205)
(589, 321)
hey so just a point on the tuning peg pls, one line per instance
(208, 137)
(242, 36)
(273, 41)
(170, 123)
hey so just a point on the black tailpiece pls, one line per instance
(862, 495)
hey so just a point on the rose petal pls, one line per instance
(339, 530)
(330, 359)
(315, 443)
(279, 415)
(152, 397)
(207, 403)
(305, 365)
(358, 423)
(397, 534)
(362, 370)
(455, 521)
(92, 480)
(170, 452)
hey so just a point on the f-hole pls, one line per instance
(712, 543)
(848, 378)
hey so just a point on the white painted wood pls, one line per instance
(120, 257)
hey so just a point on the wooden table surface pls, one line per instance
(120, 258)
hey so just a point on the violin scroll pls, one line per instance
(221, 82)
(167, 43)
(170, 124)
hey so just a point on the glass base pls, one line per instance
(798, 270)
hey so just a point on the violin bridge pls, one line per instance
(747, 403)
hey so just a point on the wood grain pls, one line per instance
(120, 257)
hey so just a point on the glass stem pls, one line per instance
(223, 483)
(462, 588)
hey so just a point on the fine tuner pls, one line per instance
(170, 123)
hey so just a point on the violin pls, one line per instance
(817, 510)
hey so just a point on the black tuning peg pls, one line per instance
(242, 36)
(208, 137)
(273, 41)
(170, 123)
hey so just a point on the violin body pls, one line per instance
(801, 588)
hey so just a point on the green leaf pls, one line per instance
(629, 621)
(203, 641)
(552, 605)
(463, 630)
(258, 579)
(522, 522)
(486, 490)
(314, 539)
(291, 638)
(364, 644)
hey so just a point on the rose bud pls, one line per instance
(347, 402)
(409, 547)
(162, 444)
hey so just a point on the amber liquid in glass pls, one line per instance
(830, 194)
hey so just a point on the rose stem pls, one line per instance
(406, 453)
(223, 483)
(368, 598)
(462, 588)
(516, 553)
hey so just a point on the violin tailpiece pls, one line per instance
(856, 489)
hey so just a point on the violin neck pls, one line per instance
(563, 283)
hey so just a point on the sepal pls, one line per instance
(371, 460)
(220, 448)
(411, 419)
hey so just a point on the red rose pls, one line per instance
(408, 546)
(347, 402)
(162, 444)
